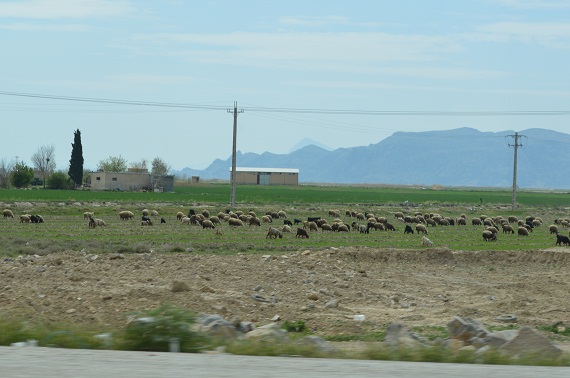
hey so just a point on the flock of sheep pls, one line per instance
(360, 222)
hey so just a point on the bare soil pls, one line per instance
(415, 287)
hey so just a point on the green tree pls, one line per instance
(76, 161)
(113, 164)
(60, 180)
(22, 175)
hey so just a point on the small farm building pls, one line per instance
(133, 180)
(266, 176)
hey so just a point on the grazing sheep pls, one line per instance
(363, 229)
(313, 219)
(244, 218)
(379, 226)
(489, 236)
(100, 222)
(522, 231)
(494, 230)
(553, 229)
(273, 233)
(389, 227)
(267, 219)
(162, 220)
(297, 221)
(235, 222)
(145, 218)
(408, 230)
(145, 212)
(206, 213)
(147, 222)
(302, 233)
(431, 222)
(343, 228)
(313, 227)
(185, 220)
(24, 218)
(334, 213)
(476, 222)
(154, 213)
(286, 228)
(88, 214)
(507, 228)
(179, 215)
(36, 219)
(126, 215)
(421, 228)
(398, 214)
(360, 216)
(326, 227)
(208, 224)
(254, 222)
(287, 222)
(215, 219)
(282, 214)
(8, 213)
(461, 221)
(426, 242)
(562, 240)
(191, 212)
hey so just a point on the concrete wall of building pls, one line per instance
(125, 181)
(275, 178)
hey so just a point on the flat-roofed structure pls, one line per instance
(266, 176)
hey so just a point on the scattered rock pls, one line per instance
(178, 286)
(397, 336)
(333, 303)
(530, 342)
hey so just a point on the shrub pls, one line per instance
(59, 180)
(153, 330)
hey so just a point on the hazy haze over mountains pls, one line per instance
(458, 157)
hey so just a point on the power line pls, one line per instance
(434, 113)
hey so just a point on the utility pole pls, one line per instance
(516, 146)
(233, 174)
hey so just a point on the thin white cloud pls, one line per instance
(44, 27)
(313, 21)
(305, 50)
(150, 79)
(555, 35)
(535, 4)
(58, 9)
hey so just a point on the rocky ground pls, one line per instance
(325, 288)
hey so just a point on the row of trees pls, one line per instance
(19, 175)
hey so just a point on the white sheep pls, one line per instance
(426, 242)
(100, 222)
(8, 213)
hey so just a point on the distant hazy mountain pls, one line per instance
(459, 157)
(307, 142)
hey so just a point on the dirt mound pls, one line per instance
(324, 288)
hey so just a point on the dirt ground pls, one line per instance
(325, 288)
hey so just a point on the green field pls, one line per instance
(65, 227)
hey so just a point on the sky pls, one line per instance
(155, 78)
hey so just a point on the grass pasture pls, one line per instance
(65, 228)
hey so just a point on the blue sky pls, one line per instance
(384, 56)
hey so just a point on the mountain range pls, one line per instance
(458, 157)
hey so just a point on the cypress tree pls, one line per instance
(76, 161)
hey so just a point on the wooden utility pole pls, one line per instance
(516, 146)
(233, 174)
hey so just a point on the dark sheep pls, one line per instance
(287, 222)
(145, 218)
(162, 220)
(191, 212)
(297, 221)
(313, 219)
(274, 233)
(389, 227)
(408, 230)
(562, 240)
(302, 233)
(36, 219)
